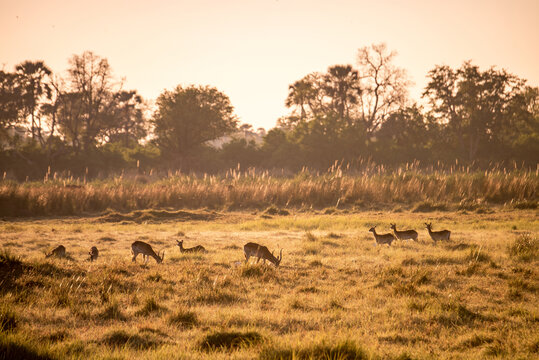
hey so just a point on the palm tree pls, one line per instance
(301, 94)
(32, 77)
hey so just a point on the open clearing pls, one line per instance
(335, 295)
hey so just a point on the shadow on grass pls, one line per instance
(12, 347)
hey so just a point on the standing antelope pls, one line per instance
(140, 247)
(261, 252)
(405, 234)
(438, 235)
(382, 238)
(94, 253)
(198, 248)
(59, 252)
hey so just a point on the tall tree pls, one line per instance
(473, 104)
(33, 76)
(188, 117)
(384, 85)
(127, 123)
(90, 76)
(10, 102)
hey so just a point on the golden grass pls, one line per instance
(334, 296)
(373, 188)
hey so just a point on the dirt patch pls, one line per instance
(156, 216)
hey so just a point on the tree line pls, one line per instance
(86, 122)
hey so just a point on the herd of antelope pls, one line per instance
(256, 250)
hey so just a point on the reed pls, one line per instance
(372, 187)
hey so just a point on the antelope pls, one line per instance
(59, 252)
(261, 252)
(94, 253)
(382, 238)
(140, 247)
(198, 248)
(404, 235)
(438, 235)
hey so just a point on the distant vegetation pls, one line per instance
(86, 124)
(374, 187)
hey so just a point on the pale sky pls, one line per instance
(252, 50)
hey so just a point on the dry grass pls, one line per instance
(423, 190)
(334, 296)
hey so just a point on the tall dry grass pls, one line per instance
(372, 187)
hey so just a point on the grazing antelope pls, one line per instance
(261, 252)
(438, 235)
(94, 253)
(405, 234)
(140, 247)
(198, 248)
(59, 252)
(382, 238)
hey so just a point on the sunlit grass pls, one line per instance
(335, 294)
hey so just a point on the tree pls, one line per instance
(90, 76)
(474, 105)
(188, 117)
(127, 123)
(34, 87)
(10, 102)
(384, 86)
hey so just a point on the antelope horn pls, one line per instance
(281, 255)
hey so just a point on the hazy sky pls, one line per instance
(253, 49)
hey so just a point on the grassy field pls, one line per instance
(335, 295)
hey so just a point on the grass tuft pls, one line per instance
(346, 350)
(183, 319)
(8, 319)
(150, 306)
(112, 312)
(16, 347)
(229, 340)
(524, 247)
(122, 339)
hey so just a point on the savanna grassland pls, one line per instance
(335, 295)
